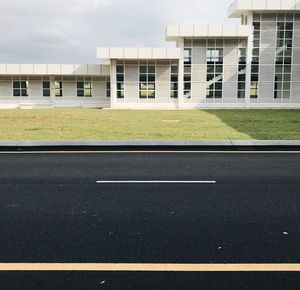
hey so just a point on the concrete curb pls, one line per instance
(150, 145)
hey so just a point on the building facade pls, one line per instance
(252, 65)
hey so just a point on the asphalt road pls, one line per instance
(54, 211)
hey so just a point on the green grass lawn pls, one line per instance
(87, 124)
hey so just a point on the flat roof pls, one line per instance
(104, 53)
(173, 32)
(55, 69)
(238, 7)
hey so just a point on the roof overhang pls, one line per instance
(239, 7)
(174, 32)
(137, 53)
(55, 69)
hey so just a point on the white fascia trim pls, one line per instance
(137, 53)
(55, 69)
(239, 7)
(174, 32)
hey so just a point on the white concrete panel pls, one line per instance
(244, 30)
(295, 92)
(105, 70)
(266, 91)
(173, 53)
(199, 73)
(26, 69)
(54, 69)
(163, 73)
(80, 69)
(215, 30)
(186, 30)
(259, 4)
(35, 90)
(67, 69)
(230, 91)
(296, 73)
(132, 74)
(5, 89)
(94, 70)
(230, 74)
(288, 4)
(116, 52)
(131, 91)
(130, 52)
(40, 69)
(159, 53)
(2, 68)
(231, 56)
(163, 91)
(198, 91)
(69, 90)
(266, 73)
(273, 4)
(244, 4)
(230, 30)
(199, 55)
(13, 69)
(99, 90)
(145, 53)
(201, 30)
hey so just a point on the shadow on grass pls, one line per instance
(262, 124)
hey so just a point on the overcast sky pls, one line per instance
(68, 31)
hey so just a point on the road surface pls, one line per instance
(149, 208)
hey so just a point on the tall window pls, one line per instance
(84, 89)
(187, 81)
(242, 73)
(108, 88)
(120, 82)
(58, 89)
(255, 58)
(282, 86)
(174, 81)
(214, 76)
(46, 89)
(147, 81)
(20, 88)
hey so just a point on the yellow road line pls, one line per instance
(118, 267)
(146, 152)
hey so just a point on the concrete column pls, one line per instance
(249, 62)
(113, 83)
(180, 44)
(52, 89)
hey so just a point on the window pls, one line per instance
(174, 81)
(20, 88)
(46, 89)
(58, 89)
(242, 73)
(120, 81)
(108, 88)
(214, 55)
(84, 89)
(187, 56)
(255, 56)
(254, 89)
(187, 76)
(214, 75)
(282, 82)
(147, 80)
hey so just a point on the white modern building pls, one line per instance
(252, 65)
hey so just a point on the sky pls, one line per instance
(69, 31)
